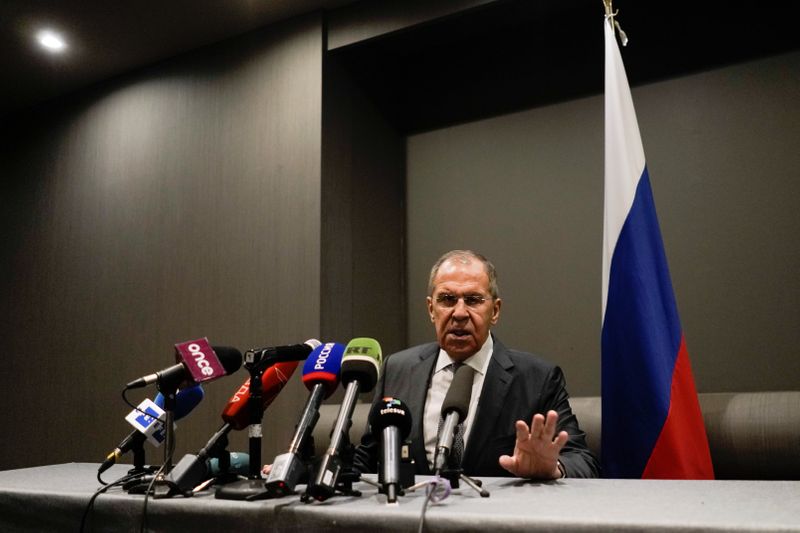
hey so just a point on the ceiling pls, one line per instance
(502, 56)
(107, 37)
(517, 54)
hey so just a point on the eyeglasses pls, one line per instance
(451, 300)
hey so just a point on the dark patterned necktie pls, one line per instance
(457, 449)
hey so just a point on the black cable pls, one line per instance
(143, 524)
(101, 490)
(156, 477)
(136, 408)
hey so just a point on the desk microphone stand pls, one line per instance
(139, 470)
(453, 475)
(138, 459)
(256, 362)
(161, 487)
(345, 475)
(169, 394)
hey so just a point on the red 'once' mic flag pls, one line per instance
(652, 426)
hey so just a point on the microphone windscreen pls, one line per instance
(290, 352)
(323, 366)
(390, 412)
(362, 363)
(272, 382)
(230, 357)
(185, 401)
(460, 392)
(274, 379)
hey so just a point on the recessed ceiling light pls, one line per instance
(51, 41)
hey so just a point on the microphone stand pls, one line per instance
(336, 465)
(346, 476)
(192, 468)
(220, 452)
(169, 394)
(288, 468)
(255, 407)
(453, 475)
(138, 459)
(256, 362)
(192, 471)
(405, 471)
(161, 486)
(139, 470)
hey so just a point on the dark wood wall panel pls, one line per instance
(178, 202)
(363, 209)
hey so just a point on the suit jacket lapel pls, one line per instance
(420, 378)
(490, 406)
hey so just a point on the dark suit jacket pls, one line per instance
(517, 385)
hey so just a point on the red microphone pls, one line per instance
(272, 382)
(192, 469)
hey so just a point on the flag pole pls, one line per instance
(610, 15)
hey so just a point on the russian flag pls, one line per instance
(652, 426)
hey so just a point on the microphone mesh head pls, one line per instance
(460, 392)
(229, 357)
(362, 363)
(187, 399)
(324, 366)
(390, 412)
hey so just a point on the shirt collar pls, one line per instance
(478, 361)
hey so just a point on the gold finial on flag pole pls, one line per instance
(610, 14)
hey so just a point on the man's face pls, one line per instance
(462, 326)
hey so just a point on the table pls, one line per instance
(53, 498)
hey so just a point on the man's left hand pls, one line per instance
(536, 450)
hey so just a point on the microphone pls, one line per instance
(236, 413)
(273, 380)
(197, 361)
(321, 377)
(392, 418)
(454, 410)
(291, 352)
(186, 400)
(360, 370)
(192, 469)
(236, 464)
(257, 362)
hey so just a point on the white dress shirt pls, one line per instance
(440, 384)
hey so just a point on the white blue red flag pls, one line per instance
(652, 426)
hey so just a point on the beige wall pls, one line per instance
(527, 190)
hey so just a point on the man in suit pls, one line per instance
(509, 387)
